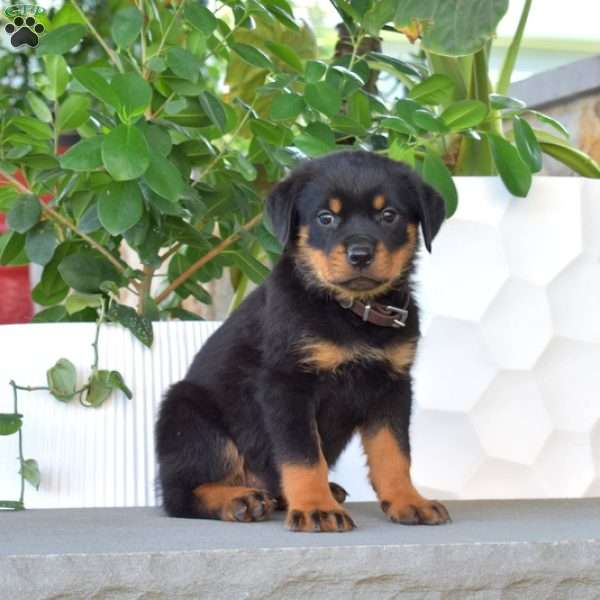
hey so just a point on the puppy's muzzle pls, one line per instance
(360, 252)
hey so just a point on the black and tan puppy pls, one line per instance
(322, 349)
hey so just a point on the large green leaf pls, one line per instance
(10, 423)
(286, 106)
(12, 249)
(96, 85)
(451, 28)
(77, 302)
(164, 178)
(39, 107)
(437, 89)
(252, 56)
(464, 114)
(436, 173)
(120, 206)
(200, 17)
(140, 326)
(102, 384)
(527, 144)
(285, 54)
(62, 380)
(24, 214)
(383, 62)
(41, 242)
(278, 135)
(51, 288)
(213, 108)
(514, 172)
(323, 97)
(86, 270)
(251, 267)
(126, 26)
(85, 155)
(183, 63)
(32, 127)
(31, 472)
(426, 120)
(576, 160)
(379, 13)
(73, 112)
(134, 95)
(61, 39)
(58, 76)
(313, 146)
(125, 153)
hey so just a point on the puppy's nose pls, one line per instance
(360, 255)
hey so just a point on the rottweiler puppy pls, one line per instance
(322, 349)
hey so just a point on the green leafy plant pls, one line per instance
(163, 191)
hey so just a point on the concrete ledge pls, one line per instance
(492, 551)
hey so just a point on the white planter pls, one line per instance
(90, 457)
(507, 376)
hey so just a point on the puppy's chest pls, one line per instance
(326, 356)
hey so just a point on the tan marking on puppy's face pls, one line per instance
(379, 202)
(329, 270)
(389, 265)
(335, 205)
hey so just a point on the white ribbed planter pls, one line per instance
(507, 375)
(90, 457)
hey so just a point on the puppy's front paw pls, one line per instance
(415, 511)
(316, 519)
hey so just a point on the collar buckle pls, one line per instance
(400, 314)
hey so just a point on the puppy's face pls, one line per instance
(352, 221)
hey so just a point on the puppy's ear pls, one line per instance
(281, 205)
(432, 212)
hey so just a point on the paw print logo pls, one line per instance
(24, 31)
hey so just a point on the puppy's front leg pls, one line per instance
(385, 440)
(290, 419)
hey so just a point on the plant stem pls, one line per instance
(30, 388)
(475, 157)
(170, 252)
(55, 128)
(99, 323)
(145, 288)
(224, 149)
(64, 221)
(21, 459)
(140, 6)
(114, 57)
(168, 30)
(512, 52)
(206, 258)
(161, 107)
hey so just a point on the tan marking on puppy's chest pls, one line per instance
(322, 355)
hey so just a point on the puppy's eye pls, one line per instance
(389, 215)
(326, 219)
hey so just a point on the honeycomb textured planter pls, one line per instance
(508, 372)
(507, 378)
